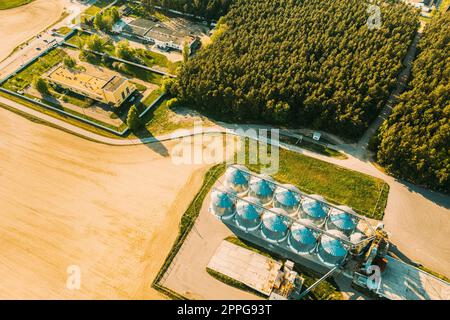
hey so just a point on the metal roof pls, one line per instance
(261, 187)
(287, 197)
(246, 210)
(236, 177)
(303, 234)
(332, 245)
(222, 199)
(274, 221)
(342, 220)
(314, 208)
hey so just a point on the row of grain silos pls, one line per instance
(256, 204)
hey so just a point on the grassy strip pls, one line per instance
(365, 194)
(187, 222)
(9, 4)
(437, 275)
(248, 246)
(326, 290)
(311, 146)
(60, 116)
(444, 5)
(159, 120)
(64, 30)
(96, 7)
(37, 68)
(233, 282)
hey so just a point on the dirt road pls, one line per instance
(112, 211)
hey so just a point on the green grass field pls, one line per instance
(365, 194)
(64, 30)
(96, 8)
(39, 67)
(9, 4)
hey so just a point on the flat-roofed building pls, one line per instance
(109, 89)
(163, 36)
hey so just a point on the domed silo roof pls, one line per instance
(357, 237)
(288, 198)
(331, 251)
(237, 179)
(358, 247)
(341, 220)
(314, 210)
(248, 213)
(275, 225)
(262, 187)
(223, 203)
(301, 239)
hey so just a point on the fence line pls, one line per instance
(65, 113)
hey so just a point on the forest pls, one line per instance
(415, 140)
(210, 9)
(312, 63)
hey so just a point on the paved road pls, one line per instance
(418, 219)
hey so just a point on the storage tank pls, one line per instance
(287, 197)
(312, 208)
(223, 203)
(238, 179)
(331, 251)
(358, 247)
(275, 225)
(248, 214)
(341, 220)
(302, 239)
(262, 187)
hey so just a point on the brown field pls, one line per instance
(22, 23)
(113, 211)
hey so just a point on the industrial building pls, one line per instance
(110, 89)
(154, 31)
(281, 214)
(306, 228)
(269, 277)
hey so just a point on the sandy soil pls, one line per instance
(27, 21)
(112, 211)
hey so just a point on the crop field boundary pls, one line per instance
(189, 218)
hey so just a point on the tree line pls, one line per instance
(300, 63)
(210, 9)
(414, 143)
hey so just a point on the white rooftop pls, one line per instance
(246, 266)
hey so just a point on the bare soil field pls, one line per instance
(22, 23)
(112, 211)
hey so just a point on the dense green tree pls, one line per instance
(133, 120)
(308, 63)
(69, 62)
(105, 21)
(186, 52)
(211, 9)
(99, 22)
(40, 85)
(415, 140)
(96, 43)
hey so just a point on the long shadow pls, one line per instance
(155, 146)
(438, 198)
(396, 253)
